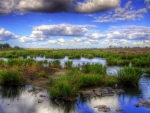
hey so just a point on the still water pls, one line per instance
(19, 100)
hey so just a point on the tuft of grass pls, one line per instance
(9, 77)
(62, 88)
(68, 64)
(94, 68)
(42, 74)
(147, 70)
(55, 64)
(129, 76)
(68, 85)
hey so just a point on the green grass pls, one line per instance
(9, 77)
(68, 85)
(94, 68)
(147, 70)
(68, 64)
(129, 76)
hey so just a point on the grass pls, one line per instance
(94, 68)
(129, 76)
(68, 65)
(68, 85)
(147, 70)
(9, 77)
(55, 64)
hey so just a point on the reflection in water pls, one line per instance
(63, 106)
(11, 92)
(19, 100)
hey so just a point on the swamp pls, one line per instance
(75, 81)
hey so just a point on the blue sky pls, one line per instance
(75, 23)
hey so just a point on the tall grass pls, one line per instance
(68, 64)
(147, 70)
(55, 64)
(9, 77)
(129, 76)
(68, 85)
(94, 68)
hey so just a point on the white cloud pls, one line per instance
(63, 29)
(148, 4)
(52, 41)
(61, 40)
(44, 32)
(122, 14)
(92, 6)
(7, 6)
(95, 36)
(7, 35)
(129, 32)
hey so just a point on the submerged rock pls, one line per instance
(143, 103)
(119, 110)
(40, 101)
(88, 93)
(108, 91)
(42, 96)
(102, 108)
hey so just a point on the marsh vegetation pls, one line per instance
(20, 67)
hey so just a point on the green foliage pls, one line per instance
(147, 70)
(9, 77)
(55, 64)
(94, 68)
(42, 74)
(68, 64)
(2, 63)
(68, 85)
(129, 75)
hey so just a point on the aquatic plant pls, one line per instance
(68, 85)
(55, 64)
(129, 76)
(10, 77)
(68, 64)
(94, 68)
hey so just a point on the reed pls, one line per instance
(68, 64)
(10, 77)
(129, 76)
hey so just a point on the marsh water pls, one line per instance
(20, 100)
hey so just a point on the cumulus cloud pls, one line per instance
(7, 6)
(46, 6)
(92, 6)
(148, 4)
(63, 29)
(96, 36)
(7, 35)
(122, 14)
(129, 33)
(44, 32)
(52, 6)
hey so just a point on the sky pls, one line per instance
(75, 23)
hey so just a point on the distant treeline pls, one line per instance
(7, 46)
